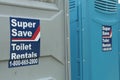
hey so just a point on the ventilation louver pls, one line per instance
(72, 5)
(107, 6)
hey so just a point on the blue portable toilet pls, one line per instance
(94, 39)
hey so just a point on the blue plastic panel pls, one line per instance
(88, 52)
(104, 63)
(73, 10)
(75, 32)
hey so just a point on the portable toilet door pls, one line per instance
(33, 43)
(102, 29)
(99, 41)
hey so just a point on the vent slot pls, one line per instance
(107, 6)
(72, 5)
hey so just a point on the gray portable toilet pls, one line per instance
(34, 41)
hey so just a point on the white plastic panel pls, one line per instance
(52, 60)
(47, 1)
(40, 4)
